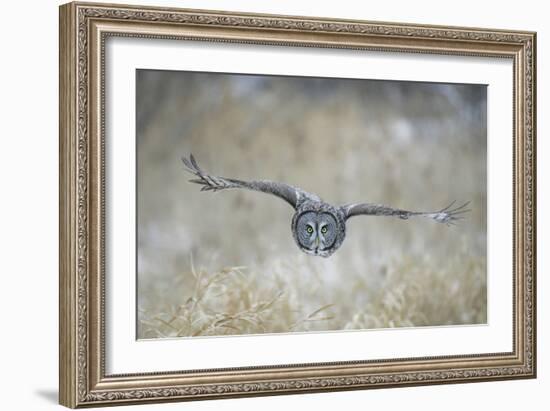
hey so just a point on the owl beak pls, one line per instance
(316, 243)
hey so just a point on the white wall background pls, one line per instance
(28, 205)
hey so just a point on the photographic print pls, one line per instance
(277, 204)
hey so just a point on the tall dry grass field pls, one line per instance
(225, 263)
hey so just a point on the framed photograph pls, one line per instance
(260, 204)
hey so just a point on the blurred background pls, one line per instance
(225, 263)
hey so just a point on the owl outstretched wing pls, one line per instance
(292, 195)
(448, 215)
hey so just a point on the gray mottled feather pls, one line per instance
(446, 215)
(292, 195)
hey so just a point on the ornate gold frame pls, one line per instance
(83, 30)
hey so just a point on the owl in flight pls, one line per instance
(318, 228)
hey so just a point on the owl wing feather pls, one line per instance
(292, 195)
(447, 215)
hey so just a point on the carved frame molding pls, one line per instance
(84, 27)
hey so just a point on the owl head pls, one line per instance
(318, 228)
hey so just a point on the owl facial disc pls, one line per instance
(316, 232)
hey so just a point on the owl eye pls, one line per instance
(324, 230)
(309, 229)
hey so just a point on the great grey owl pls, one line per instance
(317, 227)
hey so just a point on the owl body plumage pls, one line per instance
(318, 228)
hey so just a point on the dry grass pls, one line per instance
(411, 291)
